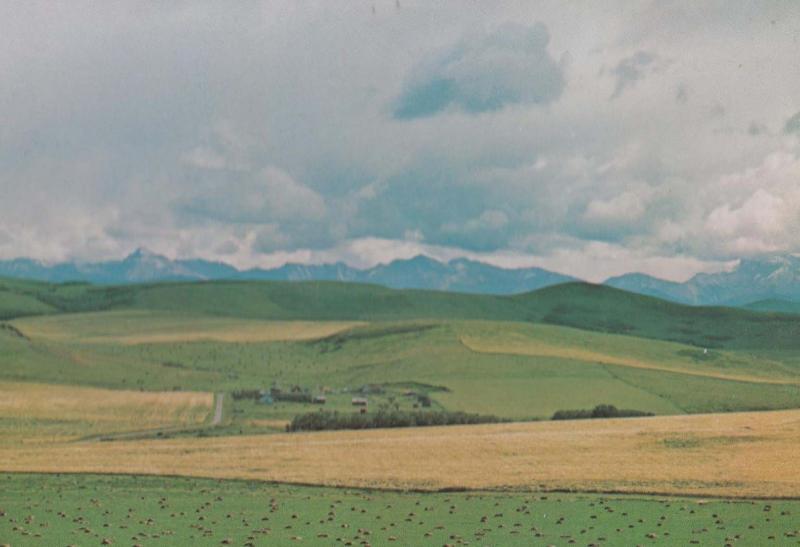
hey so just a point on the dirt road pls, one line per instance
(218, 409)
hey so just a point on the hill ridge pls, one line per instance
(580, 305)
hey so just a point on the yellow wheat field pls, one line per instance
(146, 327)
(741, 454)
(51, 413)
(537, 348)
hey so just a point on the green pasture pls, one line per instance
(461, 365)
(580, 305)
(126, 510)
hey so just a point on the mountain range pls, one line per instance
(419, 272)
(769, 283)
(765, 283)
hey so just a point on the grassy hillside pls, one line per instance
(579, 305)
(18, 299)
(510, 369)
(571, 346)
(604, 309)
(779, 306)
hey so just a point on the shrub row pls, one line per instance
(292, 396)
(327, 420)
(600, 411)
(239, 394)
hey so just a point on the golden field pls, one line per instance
(738, 454)
(145, 327)
(45, 413)
(540, 348)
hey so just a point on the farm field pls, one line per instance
(510, 369)
(117, 385)
(736, 454)
(144, 327)
(86, 510)
(41, 413)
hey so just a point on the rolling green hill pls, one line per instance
(569, 346)
(510, 369)
(579, 305)
(780, 306)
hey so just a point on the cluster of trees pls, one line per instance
(292, 396)
(600, 411)
(239, 394)
(327, 420)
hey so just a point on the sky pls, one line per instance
(590, 138)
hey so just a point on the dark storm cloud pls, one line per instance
(483, 73)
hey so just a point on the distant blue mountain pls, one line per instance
(766, 280)
(774, 278)
(419, 272)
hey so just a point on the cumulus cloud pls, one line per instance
(759, 216)
(622, 208)
(259, 133)
(760, 213)
(483, 73)
(266, 196)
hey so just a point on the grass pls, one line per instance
(773, 305)
(627, 351)
(78, 360)
(139, 510)
(738, 454)
(579, 305)
(41, 414)
(509, 369)
(13, 304)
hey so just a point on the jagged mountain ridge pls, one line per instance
(770, 279)
(419, 272)
(774, 278)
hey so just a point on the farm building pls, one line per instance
(266, 399)
(359, 401)
(319, 400)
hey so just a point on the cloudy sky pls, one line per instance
(592, 138)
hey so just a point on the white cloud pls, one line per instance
(759, 208)
(204, 158)
(286, 198)
(261, 131)
(626, 207)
